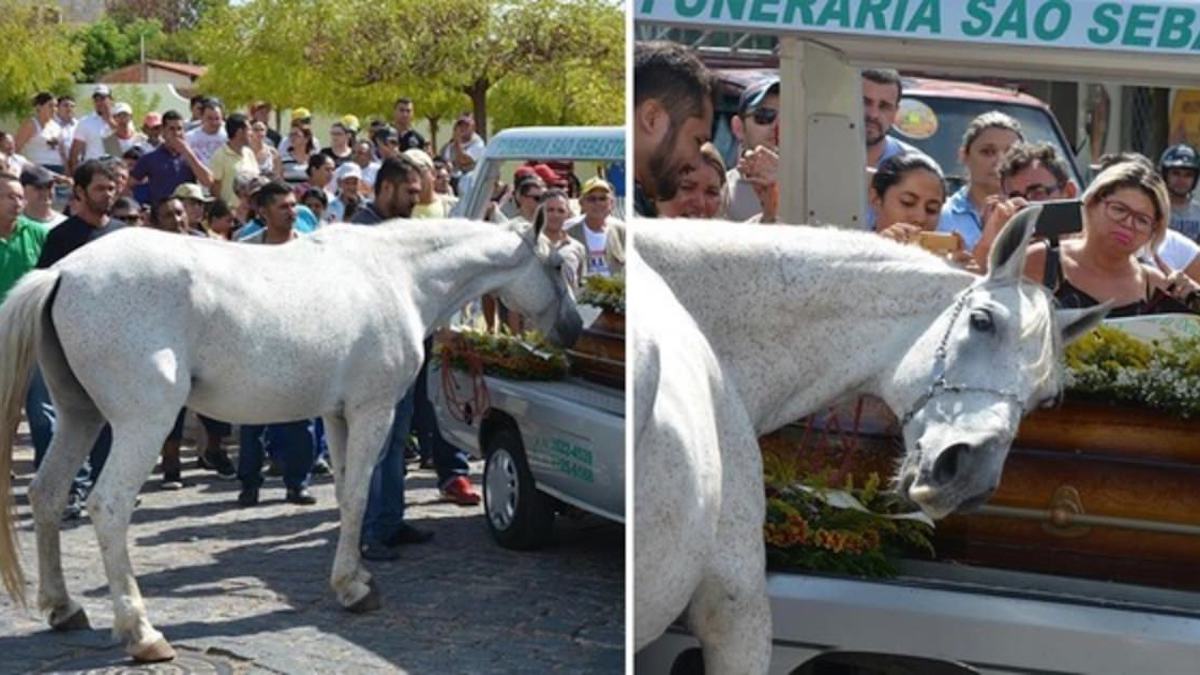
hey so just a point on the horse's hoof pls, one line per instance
(367, 603)
(77, 621)
(159, 650)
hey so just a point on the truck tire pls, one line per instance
(518, 514)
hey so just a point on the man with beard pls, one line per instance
(882, 90)
(1180, 168)
(673, 115)
(95, 193)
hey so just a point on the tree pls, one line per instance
(108, 45)
(556, 62)
(172, 15)
(38, 56)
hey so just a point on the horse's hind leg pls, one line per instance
(367, 432)
(136, 443)
(78, 428)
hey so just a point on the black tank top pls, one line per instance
(1069, 297)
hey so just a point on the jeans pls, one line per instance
(40, 412)
(449, 461)
(385, 502)
(292, 442)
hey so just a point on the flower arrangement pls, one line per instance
(604, 292)
(1112, 366)
(826, 520)
(517, 357)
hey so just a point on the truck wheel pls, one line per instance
(519, 516)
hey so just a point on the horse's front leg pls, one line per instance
(367, 431)
(135, 450)
(730, 612)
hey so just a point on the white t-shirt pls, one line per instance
(68, 136)
(38, 148)
(1177, 251)
(92, 130)
(597, 243)
(205, 145)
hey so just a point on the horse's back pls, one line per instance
(228, 318)
(677, 463)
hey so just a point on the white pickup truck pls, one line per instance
(549, 446)
(941, 617)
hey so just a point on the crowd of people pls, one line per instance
(65, 182)
(1138, 248)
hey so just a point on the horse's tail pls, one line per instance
(19, 316)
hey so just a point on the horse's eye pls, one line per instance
(558, 267)
(981, 320)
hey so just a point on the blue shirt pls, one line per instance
(959, 215)
(306, 223)
(166, 172)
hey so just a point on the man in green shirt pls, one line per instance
(21, 239)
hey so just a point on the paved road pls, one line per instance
(246, 590)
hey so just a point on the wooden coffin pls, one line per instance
(599, 354)
(1093, 491)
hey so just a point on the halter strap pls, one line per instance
(939, 385)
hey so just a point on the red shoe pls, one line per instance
(460, 491)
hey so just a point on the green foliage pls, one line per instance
(604, 292)
(173, 16)
(804, 530)
(1110, 365)
(545, 62)
(107, 45)
(517, 357)
(38, 56)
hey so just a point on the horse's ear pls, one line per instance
(538, 221)
(1007, 259)
(1075, 323)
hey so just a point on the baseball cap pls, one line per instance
(549, 176)
(523, 172)
(301, 113)
(753, 96)
(190, 191)
(419, 157)
(101, 90)
(37, 177)
(386, 134)
(350, 122)
(152, 119)
(347, 170)
(595, 183)
(122, 108)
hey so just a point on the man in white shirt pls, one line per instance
(602, 236)
(91, 131)
(465, 148)
(210, 136)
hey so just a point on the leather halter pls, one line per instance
(940, 386)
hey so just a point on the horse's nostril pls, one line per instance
(945, 468)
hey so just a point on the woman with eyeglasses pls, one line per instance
(341, 144)
(300, 149)
(1125, 209)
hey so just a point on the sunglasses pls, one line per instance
(765, 116)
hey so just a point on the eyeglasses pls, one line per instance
(765, 116)
(1036, 193)
(1123, 213)
(535, 196)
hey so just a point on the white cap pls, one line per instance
(122, 107)
(347, 170)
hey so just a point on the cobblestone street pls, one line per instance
(246, 590)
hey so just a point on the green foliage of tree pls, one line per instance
(38, 56)
(107, 45)
(546, 61)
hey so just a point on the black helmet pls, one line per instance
(1181, 156)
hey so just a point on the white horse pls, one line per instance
(139, 324)
(740, 329)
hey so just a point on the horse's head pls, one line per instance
(540, 293)
(963, 387)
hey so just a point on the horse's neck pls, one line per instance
(445, 265)
(804, 316)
